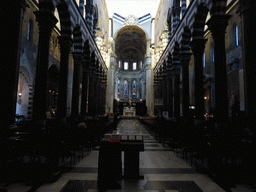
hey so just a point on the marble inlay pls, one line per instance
(181, 186)
(142, 170)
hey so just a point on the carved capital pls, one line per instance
(198, 45)
(46, 21)
(78, 58)
(218, 24)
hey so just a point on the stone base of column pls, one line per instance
(199, 121)
(39, 122)
(221, 125)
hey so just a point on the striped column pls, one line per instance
(65, 46)
(30, 101)
(198, 46)
(185, 58)
(45, 30)
(249, 41)
(164, 86)
(81, 6)
(217, 24)
(169, 86)
(176, 17)
(78, 59)
(183, 7)
(176, 65)
(89, 16)
(169, 21)
(95, 23)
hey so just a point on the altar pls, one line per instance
(129, 111)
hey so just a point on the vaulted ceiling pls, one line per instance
(131, 44)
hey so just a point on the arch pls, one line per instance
(199, 23)
(169, 61)
(186, 38)
(65, 22)
(53, 73)
(95, 21)
(218, 7)
(92, 59)
(130, 26)
(176, 53)
(77, 36)
(87, 53)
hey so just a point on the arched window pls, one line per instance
(141, 64)
(235, 35)
(119, 64)
(134, 66)
(212, 52)
(134, 88)
(125, 65)
(204, 60)
(125, 89)
(30, 30)
(118, 88)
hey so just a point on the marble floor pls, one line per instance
(163, 171)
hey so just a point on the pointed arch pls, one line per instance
(186, 39)
(199, 23)
(95, 21)
(176, 53)
(78, 41)
(218, 7)
(65, 22)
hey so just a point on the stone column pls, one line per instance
(97, 88)
(65, 46)
(247, 9)
(89, 15)
(217, 24)
(10, 57)
(81, 6)
(169, 21)
(170, 94)
(91, 98)
(185, 58)
(46, 22)
(78, 60)
(176, 84)
(176, 17)
(110, 85)
(169, 86)
(148, 86)
(84, 107)
(183, 7)
(176, 68)
(165, 81)
(198, 46)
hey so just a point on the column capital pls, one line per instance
(198, 45)
(46, 21)
(246, 5)
(185, 58)
(23, 4)
(78, 57)
(65, 43)
(218, 24)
